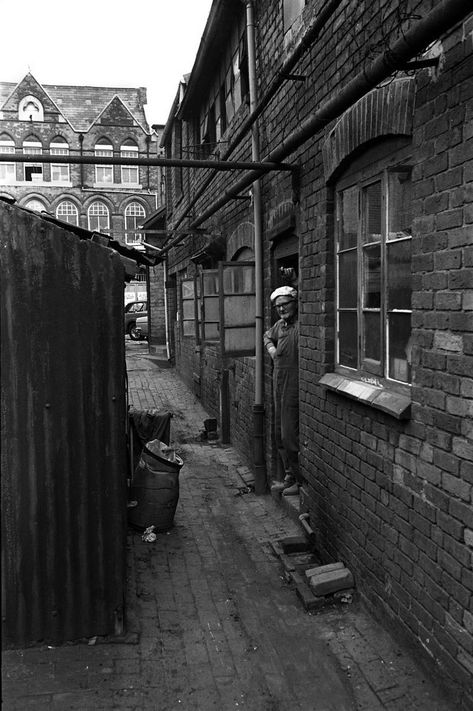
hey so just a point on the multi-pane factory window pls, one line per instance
(373, 257)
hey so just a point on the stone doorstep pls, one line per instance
(319, 569)
(294, 544)
(317, 602)
(316, 585)
(332, 581)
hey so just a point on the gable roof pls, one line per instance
(80, 105)
(115, 108)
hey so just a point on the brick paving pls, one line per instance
(212, 622)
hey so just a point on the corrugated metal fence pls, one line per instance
(63, 434)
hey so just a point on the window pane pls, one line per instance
(212, 309)
(6, 145)
(347, 279)
(348, 339)
(7, 172)
(130, 175)
(372, 277)
(134, 216)
(372, 336)
(188, 309)
(211, 331)
(188, 328)
(348, 219)
(59, 173)
(36, 205)
(98, 217)
(399, 205)
(239, 339)
(372, 213)
(239, 280)
(239, 310)
(399, 275)
(104, 174)
(188, 289)
(399, 347)
(67, 211)
(210, 283)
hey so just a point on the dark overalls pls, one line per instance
(285, 336)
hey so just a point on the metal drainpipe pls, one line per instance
(148, 141)
(81, 151)
(166, 315)
(258, 406)
(442, 18)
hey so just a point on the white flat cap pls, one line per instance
(283, 291)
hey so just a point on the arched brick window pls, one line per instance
(7, 170)
(368, 159)
(104, 173)
(59, 171)
(36, 205)
(129, 173)
(373, 265)
(67, 211)
(33, 172)
(98, 216)
(134, 216)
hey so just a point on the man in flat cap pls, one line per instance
(282, 343)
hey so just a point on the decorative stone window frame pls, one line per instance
(35, 114)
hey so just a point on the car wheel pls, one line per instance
(135, 333)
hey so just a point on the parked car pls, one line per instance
(140, 332)
(132, 311)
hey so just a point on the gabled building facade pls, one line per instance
(81, 121)
(370, 105)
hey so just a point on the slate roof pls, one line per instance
(81, 105)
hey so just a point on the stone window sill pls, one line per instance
(392, 403)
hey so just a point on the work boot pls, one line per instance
(292, 490)
(280, 486)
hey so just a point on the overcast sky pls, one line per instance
(150, 43)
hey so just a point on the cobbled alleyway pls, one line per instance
(212, 622)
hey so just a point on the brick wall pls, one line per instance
(393, 500)
(390, 498)
(157, 334)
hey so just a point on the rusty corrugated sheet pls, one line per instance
(63, 434)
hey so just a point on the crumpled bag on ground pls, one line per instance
(149, 536)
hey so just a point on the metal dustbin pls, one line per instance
(155, 487)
